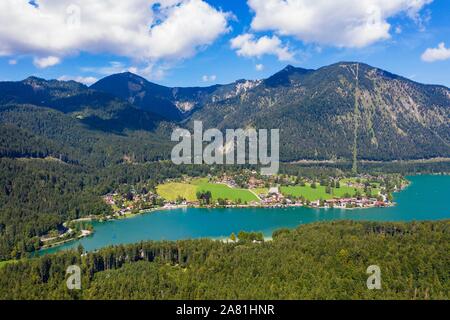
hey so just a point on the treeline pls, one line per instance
(38, 196)
(31, 131)
(312, 170)
(316, 261)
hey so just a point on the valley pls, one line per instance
(83, 165)
(230, 158)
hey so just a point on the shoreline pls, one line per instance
(84, 234)
(150, 211)
(116, 217)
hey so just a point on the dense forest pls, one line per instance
(316, 261)
(38, 195)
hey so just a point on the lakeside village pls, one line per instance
(247, 189)
(254, 191)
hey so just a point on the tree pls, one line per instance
(129, 196)
(204, 197)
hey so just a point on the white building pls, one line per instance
(273, 190)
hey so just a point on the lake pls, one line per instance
(427, 198)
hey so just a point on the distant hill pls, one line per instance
(69, 121)
(98, 109)
(174, 104)
(140, 92)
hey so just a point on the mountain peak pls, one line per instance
(141, 93)
(291, 69)
(129, 76)
(285, 76)
(34, 79)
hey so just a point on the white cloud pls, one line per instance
(345, 23)
(85, 80)
(259, 67)
(151, 71)
(12, 62)
(139, 29)
(112, 68)
(46, 62)
(186, 28)
(247, 46)
(210, 78)
(436, 54)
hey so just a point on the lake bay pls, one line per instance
(427, 198)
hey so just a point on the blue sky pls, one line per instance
(200, 43)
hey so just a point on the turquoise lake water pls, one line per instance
(427, 198)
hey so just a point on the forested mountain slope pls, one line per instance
(339, 111)
(173, 104)
(322, 112)
(56, 140)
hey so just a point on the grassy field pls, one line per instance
(225, 192)
(171, 191)
(258, 191)
(4, 263)
(320, 192)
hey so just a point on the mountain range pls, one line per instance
(342, 111)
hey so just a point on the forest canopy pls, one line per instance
(315, 261)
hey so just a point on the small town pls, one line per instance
(229, 191)
(245, 190)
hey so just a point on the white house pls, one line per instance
(273, 190)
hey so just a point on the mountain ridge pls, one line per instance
(394, 117)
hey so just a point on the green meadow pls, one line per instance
(171, 191)
(221, 191)
(312, 194)
(258, 191)
(188, 190)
